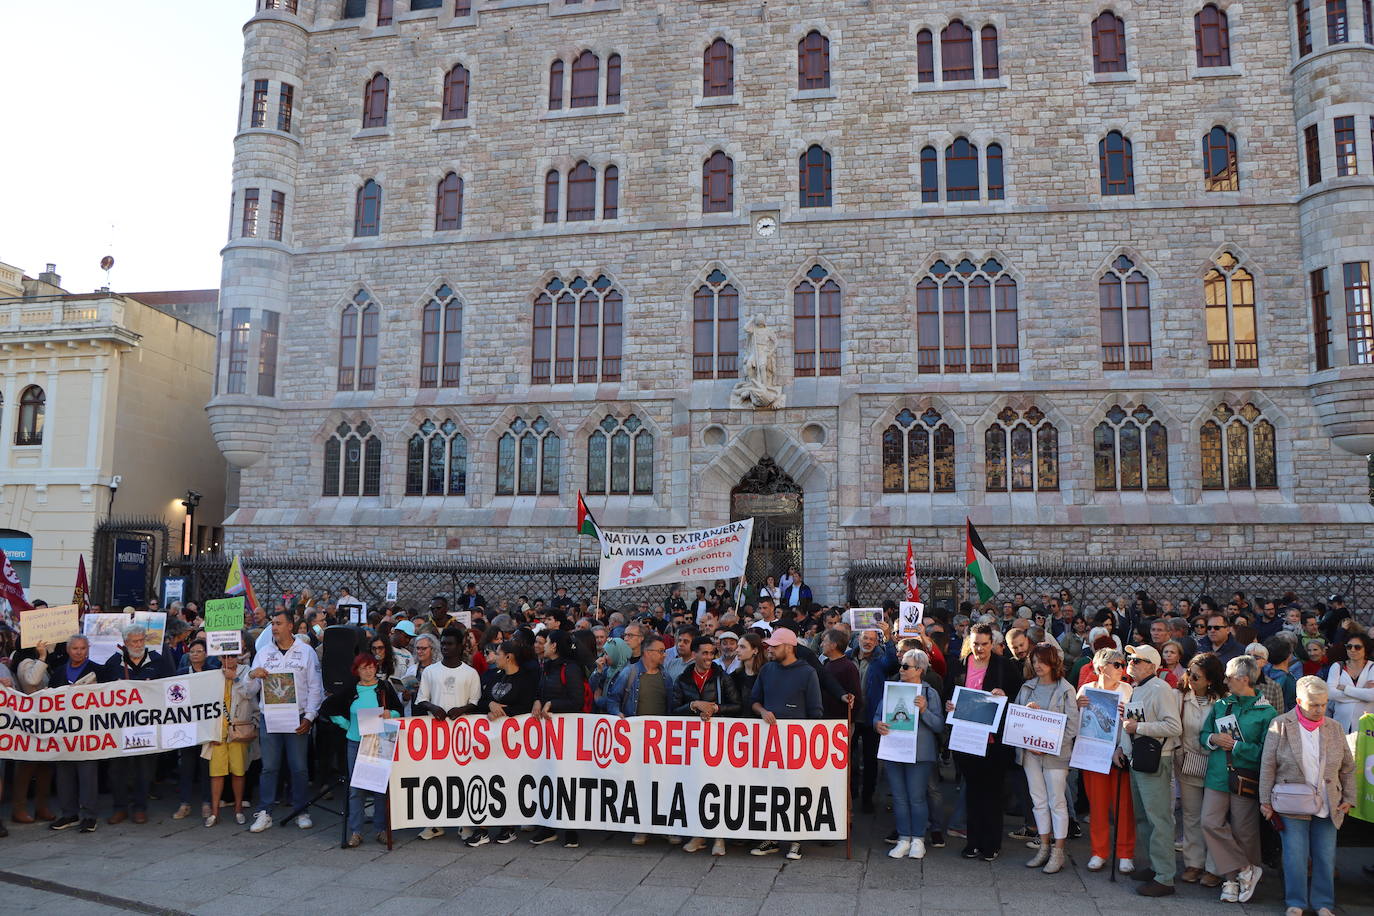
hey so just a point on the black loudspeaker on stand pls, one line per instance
(341, 645)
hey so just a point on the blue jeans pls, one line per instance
(909, 783)
(1304, 839)
(356, 797)
(275, 746)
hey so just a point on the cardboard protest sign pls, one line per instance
(909, 617)
(51, 625)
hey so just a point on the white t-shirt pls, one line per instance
(449, 688)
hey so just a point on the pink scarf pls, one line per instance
(1309, 724)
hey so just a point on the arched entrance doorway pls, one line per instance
(774, 500)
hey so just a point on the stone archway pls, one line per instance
(768, 495)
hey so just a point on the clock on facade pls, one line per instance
(766, 226)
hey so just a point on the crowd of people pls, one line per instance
(1232, 756)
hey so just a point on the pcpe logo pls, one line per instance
(631, 571)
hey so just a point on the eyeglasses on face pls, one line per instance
(1115, 665)
(1211, 627)
(909, 667)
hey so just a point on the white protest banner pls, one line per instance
(1034, 729)
(106, 633)
(733, 778)
(108, 720)
(909, 617)
(663, 557)
(864, 618)
(900, 714)
(1095, 745)
(51, 625)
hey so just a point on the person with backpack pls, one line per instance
(563, 688)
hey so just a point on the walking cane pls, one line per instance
(849, 792)
(1112, 818)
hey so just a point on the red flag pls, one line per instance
(83, 589)
(11, 589)
(913, 587)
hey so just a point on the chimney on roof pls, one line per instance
(50, 276)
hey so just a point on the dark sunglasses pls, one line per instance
(909, 667)
(1116, 664)
(1222, 627)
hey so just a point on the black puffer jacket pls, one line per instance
(719, 689)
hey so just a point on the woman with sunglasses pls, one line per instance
(909, 780)
(384, 655)
(1351, 683)
(1047, 775)
(1109, 794)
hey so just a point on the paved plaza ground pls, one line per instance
(168, 866)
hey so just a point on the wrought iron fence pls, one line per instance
(417, 580)
(1091, 584)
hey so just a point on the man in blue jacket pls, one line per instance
(787, 688)
(877, 662)
(133, 662)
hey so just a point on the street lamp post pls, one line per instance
(189, 525)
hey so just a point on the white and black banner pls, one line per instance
(664, 557)
(733, 778)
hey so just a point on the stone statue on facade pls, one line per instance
(758, 386)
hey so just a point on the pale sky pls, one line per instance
(119, 114)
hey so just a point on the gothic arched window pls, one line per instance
(715, 328)
(1124, 301)
(358, 330)
(1021, 452)
(816, 323)
(437, 461)
(918, 454)
(1232, 340)
(352, 462)
(1131, 451)
(441, 340)
(966, 319)
(578, 332)
(528, 459)
(1238, 450)
(620, 458)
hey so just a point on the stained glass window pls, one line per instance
(918, 454)
(1238, 450)
(528, 459)
(1130, 451)
(1021, 452)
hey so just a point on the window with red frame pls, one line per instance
(718, 69)
(1213, 37)
(375, 101)
(718, 184)
(813, 61)
(456, 94)
(1109, 43)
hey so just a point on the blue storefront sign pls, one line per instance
(19, 550)
(130, 585)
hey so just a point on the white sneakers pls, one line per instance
(1125, 866)
(718, 847)
(304, 822)
(430, 833)
(1230, 892)
(1096, 863)
(1249, 880)
(261, 822)
(918, 848)
(901, 850)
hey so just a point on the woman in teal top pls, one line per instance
(370, 693)
(1236, 727)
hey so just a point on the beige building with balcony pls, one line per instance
(102, 418)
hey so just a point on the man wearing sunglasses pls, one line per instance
(1153, 712)
(1219, 640)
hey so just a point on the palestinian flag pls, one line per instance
(585, 523)
(979, 564)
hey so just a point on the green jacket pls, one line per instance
(1253, 715)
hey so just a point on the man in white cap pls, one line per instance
(787, 688)
(1152, 712)
(727, 641)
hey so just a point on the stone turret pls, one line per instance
(1333, 96)
(254, 305)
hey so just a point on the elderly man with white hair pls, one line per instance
(131, 775)
(1234, 732)
(76, 779)
(1307, 777)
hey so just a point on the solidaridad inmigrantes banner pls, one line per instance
(631, 558)
(111, 720)
(732, 778)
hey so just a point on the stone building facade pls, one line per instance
(984, 236)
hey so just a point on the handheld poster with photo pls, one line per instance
(910, 615)
(974, 719)
(1095, 746)
(279, 710)
(864, 618)
(223, 642)
(900, 715)
(1227, 724)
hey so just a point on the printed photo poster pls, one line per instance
(974, 720)
(223, 642)
(356, 611)
(864, 618)
(900, 715)
(1095, 746)
(155, 622)
(909, 617)
(279, 709)
(106, 634)
(1228, 725)
(376, 753)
